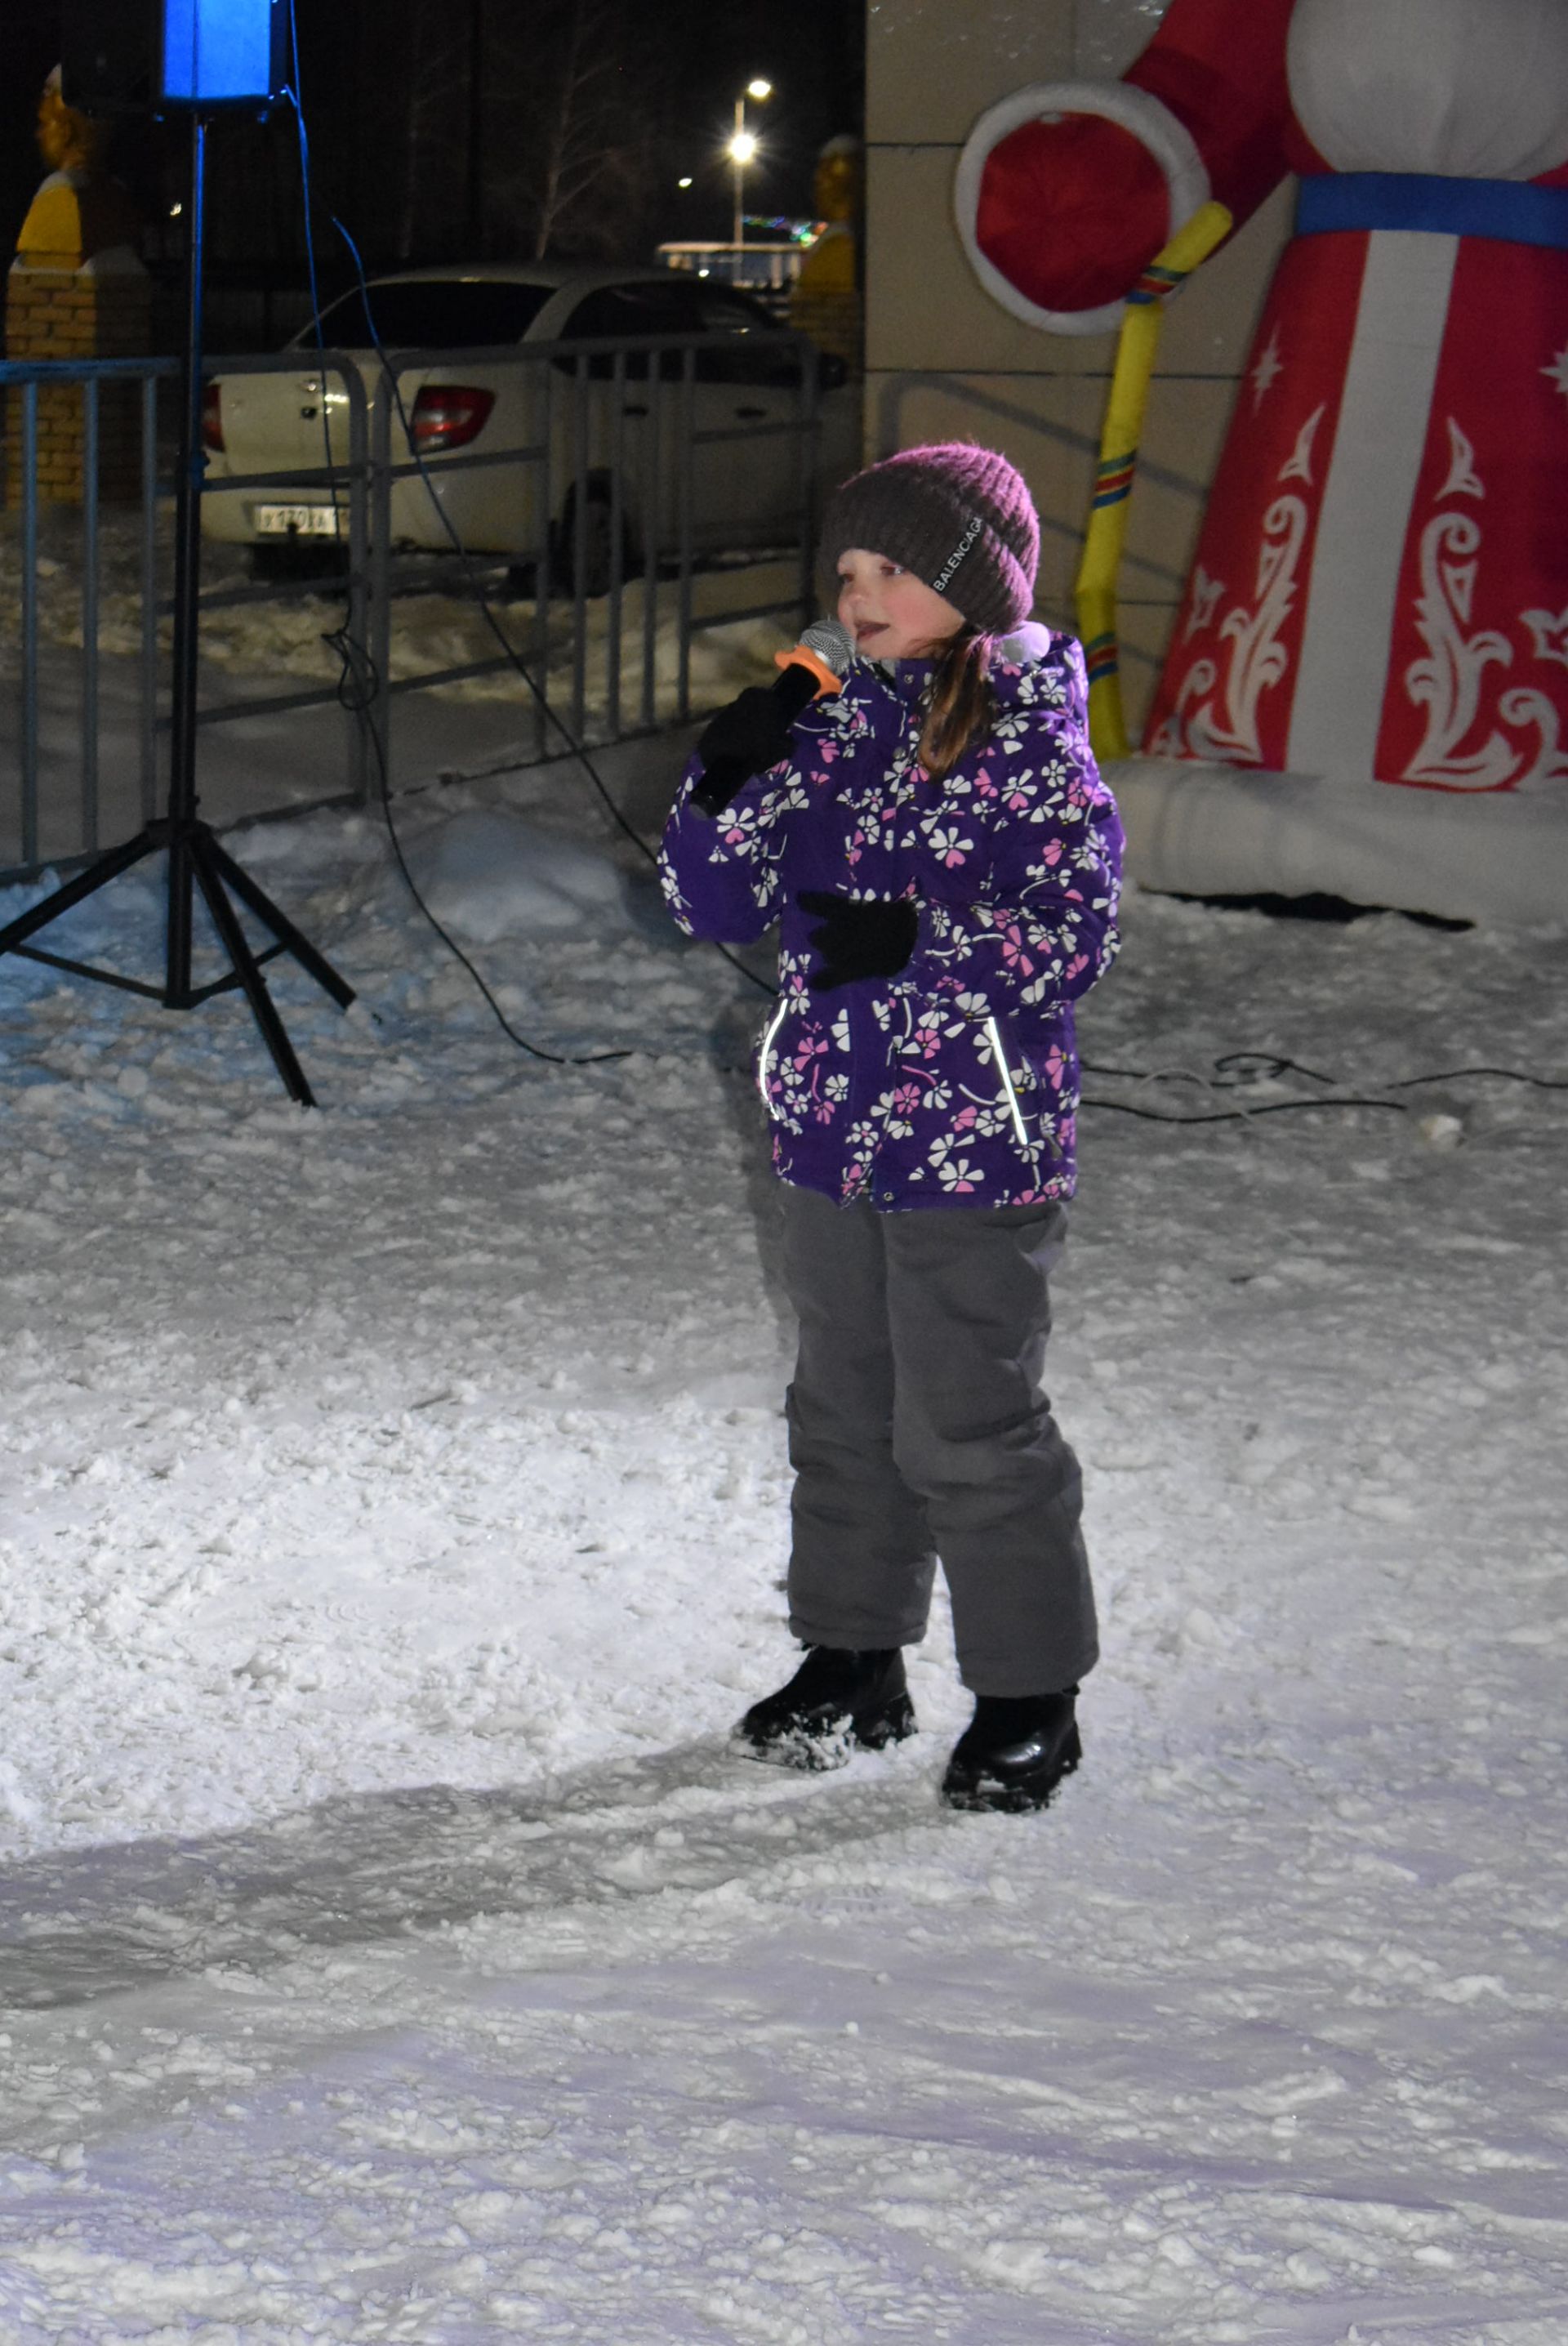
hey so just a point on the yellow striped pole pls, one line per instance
(1096, 587)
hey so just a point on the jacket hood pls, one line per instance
(1013, 656)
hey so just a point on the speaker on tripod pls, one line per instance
(203, 58)
(129, 56)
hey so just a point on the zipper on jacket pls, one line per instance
(762, 1057)
(994, 1032)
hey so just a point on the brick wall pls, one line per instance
(65, 312)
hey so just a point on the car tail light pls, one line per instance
(448, 415)
(212, 417)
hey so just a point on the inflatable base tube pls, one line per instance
(1196, 829)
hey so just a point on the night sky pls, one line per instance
(685, 62)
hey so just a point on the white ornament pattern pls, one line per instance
(1299, 466)
(1550, 635)
(1557, 371)
(1463, 481)
(1258, 661)
(1447, 683)
(1202, 604)
(1266, 374)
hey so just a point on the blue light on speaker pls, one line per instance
(218, 52)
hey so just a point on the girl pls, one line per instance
(943, 859)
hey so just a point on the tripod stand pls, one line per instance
(196, 860)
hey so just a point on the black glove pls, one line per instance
(856, 939)
(752, 734)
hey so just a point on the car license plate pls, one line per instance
(302, 520)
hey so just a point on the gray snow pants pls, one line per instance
(918, 1430)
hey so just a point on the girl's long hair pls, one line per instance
(961, 705)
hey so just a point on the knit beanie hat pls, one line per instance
(959, 517)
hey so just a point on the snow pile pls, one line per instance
(432, 632)
(491, 874)
(396, 1498)
(285, 634)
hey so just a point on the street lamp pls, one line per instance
(742, 149)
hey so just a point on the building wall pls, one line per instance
(944, 360)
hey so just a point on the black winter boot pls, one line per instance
(1014, 1751)
(839, 1698)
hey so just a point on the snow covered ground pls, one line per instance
(395, 1504)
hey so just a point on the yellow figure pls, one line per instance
(826, 301)
(78, 211)
(76, 290)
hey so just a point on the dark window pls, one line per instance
(719, 310)
(733, 322)
(625, 311)
(686, 304)
(444, 314)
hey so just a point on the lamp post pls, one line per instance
(743, 150)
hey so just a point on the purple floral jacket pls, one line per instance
(955, 1083)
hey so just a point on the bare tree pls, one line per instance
(433, 117)
(579, 102)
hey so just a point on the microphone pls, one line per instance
(753, 732)
(825, 651)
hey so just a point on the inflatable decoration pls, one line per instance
(825, 303)
(1365, 691)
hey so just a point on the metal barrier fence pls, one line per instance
(588, 500)
(30, 385)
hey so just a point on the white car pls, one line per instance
(744, 483)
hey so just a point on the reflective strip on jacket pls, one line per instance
(955, 1083)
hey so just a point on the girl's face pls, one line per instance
(891, 614)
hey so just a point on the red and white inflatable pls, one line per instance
(1376, 625)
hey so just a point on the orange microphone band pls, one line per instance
(804, 657)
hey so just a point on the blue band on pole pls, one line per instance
(1509, 211)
